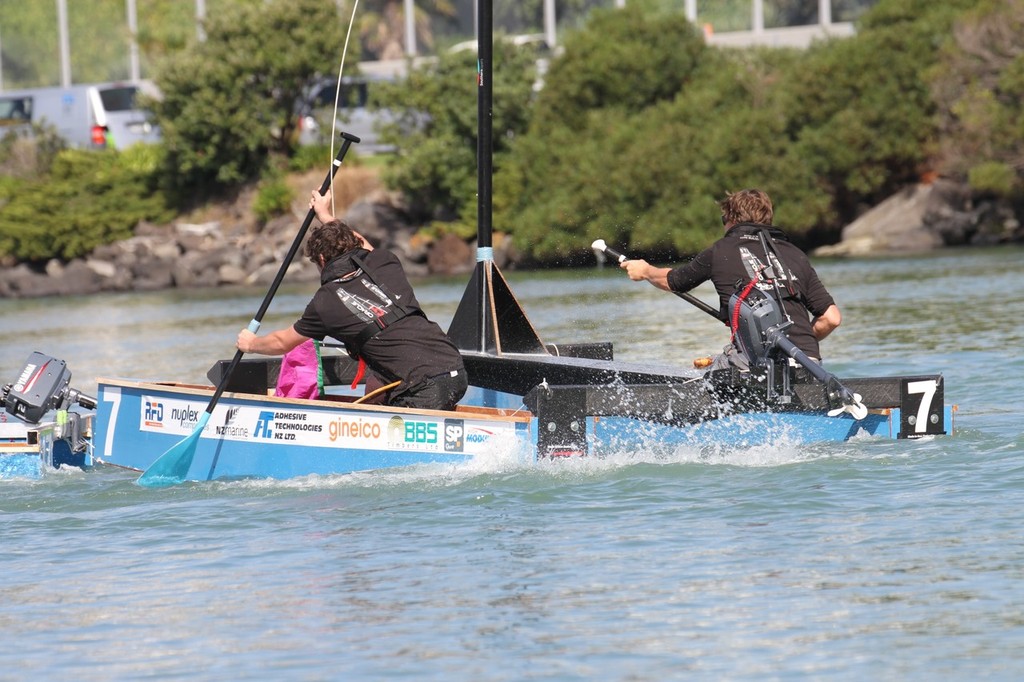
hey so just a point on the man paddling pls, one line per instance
(365, 301)
(753, 253)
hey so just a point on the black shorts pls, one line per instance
(440, 392)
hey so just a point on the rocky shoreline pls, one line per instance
(929, 216)
(230, 251)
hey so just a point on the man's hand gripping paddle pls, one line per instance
(599, 245)
(172, 467)
(851, 401)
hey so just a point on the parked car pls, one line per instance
(98, 115)
(316, 113)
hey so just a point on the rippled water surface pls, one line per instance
(872, 559)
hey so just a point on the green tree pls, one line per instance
(978, 85)
(571, 177)
(436, 128)
(87, 199)
(861, 111)
(230, 103)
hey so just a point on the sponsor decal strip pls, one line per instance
(319, 428)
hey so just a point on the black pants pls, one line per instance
(441, 392)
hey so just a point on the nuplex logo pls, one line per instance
(353, 428)
(26, 374)
(185, 415)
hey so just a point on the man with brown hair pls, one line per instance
(365, 301)
(754, 253)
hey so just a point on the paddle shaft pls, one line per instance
(254, 326)
(713, 312)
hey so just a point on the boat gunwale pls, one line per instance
(497, 414)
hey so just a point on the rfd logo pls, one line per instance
(263, 424)
(153, 413)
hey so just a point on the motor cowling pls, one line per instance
(43, 384)
(757, 320)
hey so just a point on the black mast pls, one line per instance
(489, 318)
(485, 127)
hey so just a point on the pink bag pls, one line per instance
(300, 375)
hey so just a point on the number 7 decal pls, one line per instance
(921, 408)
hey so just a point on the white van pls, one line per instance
(95, 116)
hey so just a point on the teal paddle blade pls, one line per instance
(171, 468)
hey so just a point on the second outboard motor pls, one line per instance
(43, 384)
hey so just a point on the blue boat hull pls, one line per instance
(258, 436)
(266, 437)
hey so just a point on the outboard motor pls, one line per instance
(43, 384)
(759, 322)
(760, 327)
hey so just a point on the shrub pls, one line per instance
(230, 103)
(435, 127)
(29, 153)
(88, 199)
(993, 177)
(273, 198)
(605, 144)
(978, 85)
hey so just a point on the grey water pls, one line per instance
(867, 560)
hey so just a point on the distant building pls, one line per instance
(775, 23)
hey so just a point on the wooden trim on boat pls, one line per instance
(486, 413)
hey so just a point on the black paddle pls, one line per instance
(599, 245)
(172, 467)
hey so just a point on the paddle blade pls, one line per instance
(171, 468)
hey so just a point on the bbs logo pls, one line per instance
(454, 435)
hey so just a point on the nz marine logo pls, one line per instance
(229, 428)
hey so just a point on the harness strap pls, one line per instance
(379, 323)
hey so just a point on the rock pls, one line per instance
(22, 281)
(505, 252)
(80, 278)
(451, 255)
(104, 269)
(192, 270)
(112, 277)
(153, 274)
(929, 216)
(895, 225)
(228, 273)
(382, 218)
